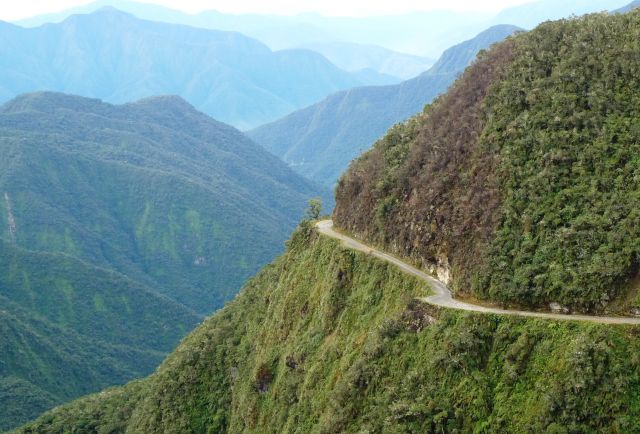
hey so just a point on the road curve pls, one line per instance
(443, 296)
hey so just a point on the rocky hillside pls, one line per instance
(327, 340)
(521, 182)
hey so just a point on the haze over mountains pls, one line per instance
(359, 57)
(628, 8)
(116, 57)
(421, 33)
(319, 141)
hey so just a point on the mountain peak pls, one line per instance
(110, 10)
(105, 13)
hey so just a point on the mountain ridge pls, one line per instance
(120, 228)
(319, 141)
(127, 58)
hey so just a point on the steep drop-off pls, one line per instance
(329, 340)
(521, 183)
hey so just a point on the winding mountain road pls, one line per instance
(443, 296)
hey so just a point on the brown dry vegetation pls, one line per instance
(523, 180)
(426, 190)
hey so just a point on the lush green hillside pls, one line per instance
(68, 328)
(94, 302)
(117, 225)
(321, 140)
(328, 340)
(154, 190)
(521, 182)
(45, 364)
(116, 57)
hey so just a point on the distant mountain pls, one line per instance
(628, 8)
(117, 225)
(320, 141)
(116, 57)
(356, 57)
(516, 178)
(155, 190)
(420, 33)
(531, 14)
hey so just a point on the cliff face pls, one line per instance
(328, 340)
(523, 177)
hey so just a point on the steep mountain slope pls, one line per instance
(357, 57)
(154, 190)
(320, 141)
(537, 140)
(520, 184)
(45, 364)
(329, 340)
(116, 57)
(91, 301)
(114, 219)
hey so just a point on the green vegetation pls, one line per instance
(521, 181)
(44, 364)
(314, 210)
(330, 340)
(91, 301)
(119, 228)
(68, 328)
(154, 190)
(522, 178)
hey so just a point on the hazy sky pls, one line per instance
(17, 9)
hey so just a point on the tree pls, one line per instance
(314, 210)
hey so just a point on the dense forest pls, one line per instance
(328, 340)
(120, 228)
(522, 179)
